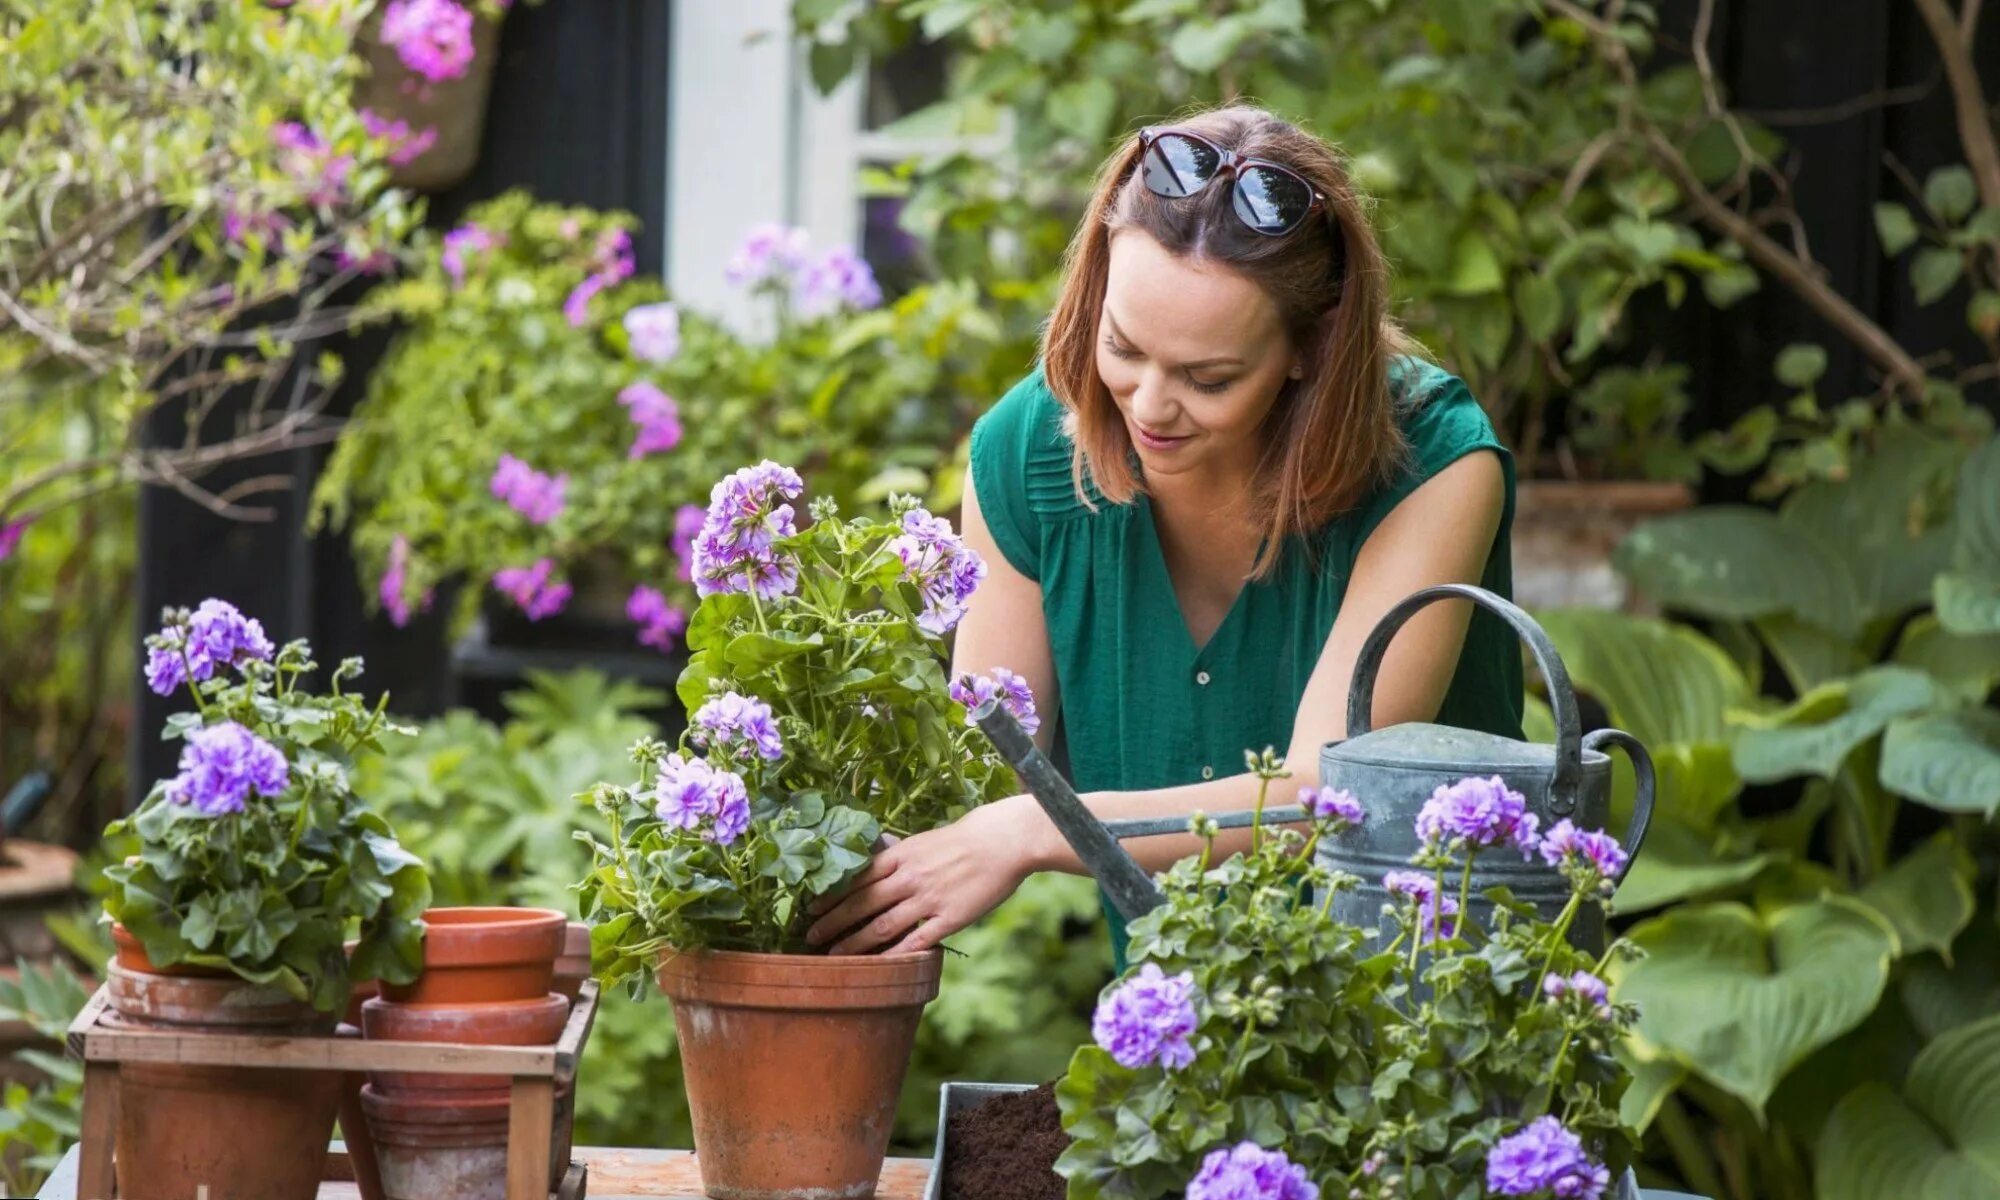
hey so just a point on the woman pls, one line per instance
(1226, 470)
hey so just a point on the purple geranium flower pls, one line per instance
(735, 548)
(943, 567)
(653, 331)
(660, 623)
(1014, 693)
(460, 245)
(687, 525)
(222, 766)
(531, 590)
(1583, 984)
(840, 278)
(1433, 906)
(656, 415)
(432, 37)
(1247, 1171)
(405, 146)
(1148, 1019)
(1567, 846)
(1544, 1157)
(534, 495)
(742, 725)
(1331, 804)
(1481, 813)
(216, 635)
(769, 251)
(690, 791)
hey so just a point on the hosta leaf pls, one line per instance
(1678, 863)
(1941, 994)
(1927, 896)
(1937, 1138)
(1968, 602)
(1734, 561)
(1815, 735)
(1968, 664)
(1741, 998)
(1880, 520)
(1948, 760)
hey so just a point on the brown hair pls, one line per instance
(1331, 435)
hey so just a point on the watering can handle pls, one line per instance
(1565, 788)
(1642, 802)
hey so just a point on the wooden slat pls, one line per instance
(326, 1054)
(576, 1031)
(99, 1131)
(530, 1119)
(87, 1020)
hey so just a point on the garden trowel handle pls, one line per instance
(1133, 892)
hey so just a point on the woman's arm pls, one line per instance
(1003, 624)
(928, 887)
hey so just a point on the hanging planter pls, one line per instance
(430, 70)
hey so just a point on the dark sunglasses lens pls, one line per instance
(1271, 201)
(1177, 166)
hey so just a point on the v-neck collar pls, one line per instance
(1157, 552)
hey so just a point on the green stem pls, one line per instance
(1556, 937)
(187, 664)
(1684, 1143)
(1464, 892)
(1257, 816)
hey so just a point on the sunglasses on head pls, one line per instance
(1271, 199)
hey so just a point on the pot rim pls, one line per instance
(743, 979)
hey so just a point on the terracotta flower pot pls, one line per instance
(507, 1023)
(218, 1133)
(435, 1146)
(484, 955)
(573, 965)
(793, 1064)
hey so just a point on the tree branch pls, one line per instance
(1975, 130)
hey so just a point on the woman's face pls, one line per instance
(1193, 354)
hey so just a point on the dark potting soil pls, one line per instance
(1006, 1149)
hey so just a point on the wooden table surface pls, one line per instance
(615, 1174)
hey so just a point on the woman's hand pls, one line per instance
(925, 888)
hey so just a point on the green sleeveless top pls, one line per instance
(1141, 707)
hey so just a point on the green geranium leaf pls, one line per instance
(1936, 1138)
(1739, 998)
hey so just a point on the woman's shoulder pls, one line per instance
(1439, 417)
(1022, 468)
(1028, 418)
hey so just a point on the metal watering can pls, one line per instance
(1392, 771)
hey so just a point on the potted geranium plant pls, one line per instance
(430, 68)
(1257, 1049)
(256, 866)
(822, 720)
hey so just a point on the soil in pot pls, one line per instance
(1006, 1149)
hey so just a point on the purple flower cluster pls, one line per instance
(216, 635)
(653, 331)
(688, 519)
(945, 569)
(1331, 804)
(1148, 1019)
(769, 251)
(395, 582)
(405, 146)
(531, 493)
(1543, 1157)
(531, 590)
(432, 37)
(660, 623)
(10, 538)
(460, 246)
(742, 725)
(735, 551)
(1564, 845)
(690, 792)
(240, 219)
(1581, 984)
(1480, 813)
(1247, 1171)
(1013, 691)
(839, 278)
(656, 415)
(612, 263)
(1433, 906)
(312, 164)
(221, 766)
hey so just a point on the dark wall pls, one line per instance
(578, 113)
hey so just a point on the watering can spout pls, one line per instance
(1133, 892)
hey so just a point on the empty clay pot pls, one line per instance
(483, 955)
(793, 1064)
(508, 1023)
(218, 1133)
(573, 964)
(444, 1146)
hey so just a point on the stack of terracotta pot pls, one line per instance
(489, 979)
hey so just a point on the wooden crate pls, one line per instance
(537, 1071)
